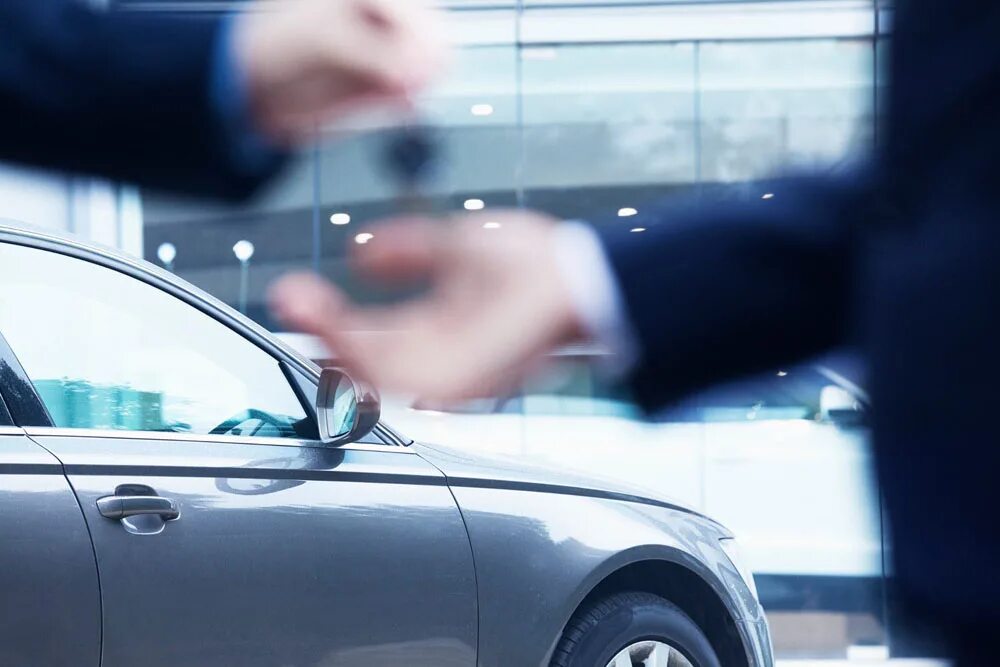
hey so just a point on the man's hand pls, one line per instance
(308, 61)
(497, 304)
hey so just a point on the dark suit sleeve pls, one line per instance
(124, 95)
(715, 290)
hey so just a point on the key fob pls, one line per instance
(411, 158)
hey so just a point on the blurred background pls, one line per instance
(586, 110)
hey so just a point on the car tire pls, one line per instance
(600, 631)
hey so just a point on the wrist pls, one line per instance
(570, 323)
(245, 45)
(593, 296)
(232, 98)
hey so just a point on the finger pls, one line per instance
(304, 302)
(402, 249)
(395, 47)
(353, 102)
(373, 343)
(306, 124)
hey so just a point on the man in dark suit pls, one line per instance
(208, 106)
(902, 260)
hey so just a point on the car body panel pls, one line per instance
(50, 606)
(467, 465)
(739, 472)
(542, 544)
(282, 555)
(757, 636)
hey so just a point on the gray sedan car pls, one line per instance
(177, 488)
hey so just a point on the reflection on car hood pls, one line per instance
(463, 466)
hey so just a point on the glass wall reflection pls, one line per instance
(596, 110)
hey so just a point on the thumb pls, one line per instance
(398, 46)
(402, 250)
(307, 303)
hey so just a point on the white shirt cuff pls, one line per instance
(587, 273)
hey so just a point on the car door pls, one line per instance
(225, 533)
(50, 607)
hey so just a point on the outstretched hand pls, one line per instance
(307, 62)
(496, 305)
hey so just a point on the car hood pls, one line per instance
(497, 471)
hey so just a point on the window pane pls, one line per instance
(278, 220)
(765, 105)
(107, 351)
(607, 126)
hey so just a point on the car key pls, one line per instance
(411, 158)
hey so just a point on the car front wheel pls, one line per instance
(631, 630)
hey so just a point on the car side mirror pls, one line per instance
(346, 409)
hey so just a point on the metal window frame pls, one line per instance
(18, 396)
(5, 418)
(113, 434)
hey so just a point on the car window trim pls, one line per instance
(288, 373)
(5, 418)
(113, 434)
(167, 282)
(18, 395)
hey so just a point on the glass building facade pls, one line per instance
(591, 110)
(572, 109)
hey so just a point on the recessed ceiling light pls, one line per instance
(627, 212)
(768, 195)
(340, 218)
(482, 109)
(363, 238)
(636, 230)
(474, 204)
(491, 225)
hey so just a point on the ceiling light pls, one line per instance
(768, 195)
(627, 212)
(167, 252)
(243, 250)
(482, 109)
(491, 225)
(363, 238)
(636, 230)
(782, 374)
(474, 204)
(340, 218)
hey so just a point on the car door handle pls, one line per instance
(122, 507)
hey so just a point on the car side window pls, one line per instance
(107, 351)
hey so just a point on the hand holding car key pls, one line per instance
(411, 158)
